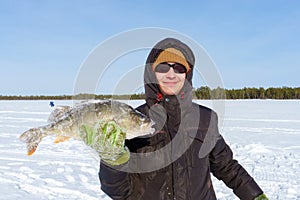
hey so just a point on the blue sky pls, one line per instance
(253, 43)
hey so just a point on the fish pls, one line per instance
(91, 121)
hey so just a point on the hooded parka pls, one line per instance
(185, 150)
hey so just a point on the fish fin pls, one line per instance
(32, 138)
(31, 151)
(60, 138)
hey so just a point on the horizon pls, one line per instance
(273, 93)
(44, 44)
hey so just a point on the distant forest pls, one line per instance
(199, 93)
(248, 93)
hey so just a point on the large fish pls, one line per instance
(92, 122)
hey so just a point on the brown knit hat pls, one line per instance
(171, 55)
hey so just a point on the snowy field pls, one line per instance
(264, 136)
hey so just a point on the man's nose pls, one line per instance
(170, 73)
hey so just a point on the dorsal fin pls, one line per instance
(57, 113)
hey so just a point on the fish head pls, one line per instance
(135, 124)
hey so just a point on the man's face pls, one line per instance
(170, 83)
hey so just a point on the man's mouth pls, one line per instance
(170, 83)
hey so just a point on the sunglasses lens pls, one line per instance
(162, 68)
(178, 68)
(165, 67)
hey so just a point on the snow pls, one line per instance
(263, 134)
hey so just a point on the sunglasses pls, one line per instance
(165, 67)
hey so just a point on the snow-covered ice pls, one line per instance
(263, 134)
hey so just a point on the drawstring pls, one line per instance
(182, 95)
(159, 98)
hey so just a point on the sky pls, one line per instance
(44, 44)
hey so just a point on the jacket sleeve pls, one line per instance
(115, 183)
(225, 168)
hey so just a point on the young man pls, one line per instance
(187, 147)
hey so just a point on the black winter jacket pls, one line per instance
(177, 161)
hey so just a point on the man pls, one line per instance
(187, 146)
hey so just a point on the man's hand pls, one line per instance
(120, 159)
(261, 197)
(108, 139)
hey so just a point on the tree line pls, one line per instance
(248, 93)
(199, 93)
(71, 97)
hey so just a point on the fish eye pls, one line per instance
(132, 113)
(142, 119)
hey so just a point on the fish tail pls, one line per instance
(32, 138)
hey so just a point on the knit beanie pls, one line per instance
(171, 55)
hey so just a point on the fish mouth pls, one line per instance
(145, 130)
(148, 127)
(152, 129)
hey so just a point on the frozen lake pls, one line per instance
(263, 134)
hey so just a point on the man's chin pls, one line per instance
(170, 91)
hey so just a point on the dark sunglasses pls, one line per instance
(165, 67)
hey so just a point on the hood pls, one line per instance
(152, 90)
